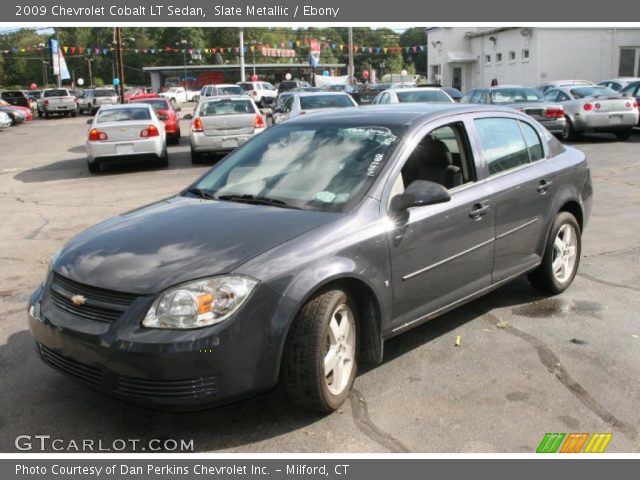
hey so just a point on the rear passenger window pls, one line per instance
(534, 145)
(476, 97)
(502, 143)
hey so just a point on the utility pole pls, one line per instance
(242, 74)
(120, 64)
(89, 60)
(351, 72)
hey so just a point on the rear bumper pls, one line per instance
(223, 143)
(554, 125)
(606, 122)
(107, 150)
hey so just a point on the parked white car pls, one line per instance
(177, 95)
(221, 124)
(221, 89)
(412, 95)
(57, 101)
(299, 103)
(126, 133)
(5, 120)
(263, 93)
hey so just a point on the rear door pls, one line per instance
(522, 181)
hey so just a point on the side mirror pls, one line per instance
(178, 109)
(90, 121)
(188, 116)
(419, 194)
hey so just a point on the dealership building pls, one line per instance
(198, 75)
(467, 57)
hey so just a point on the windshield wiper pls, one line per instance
(248, 198)
(201, 193)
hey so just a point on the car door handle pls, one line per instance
(544, 186)
(479, 210)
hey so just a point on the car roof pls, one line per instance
(413, 89)
(320, 94)
(218, 98)
(397, 114)
(124, 106)
(620, 79)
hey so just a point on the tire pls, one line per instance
(40, 114)
(556, 279)
(163, 160)
(569, 133)
(317, 333)
(46, 115)
(196, 157)
(74, 113)
(93, 167)
(624, 134)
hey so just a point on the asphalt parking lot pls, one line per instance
(526, 364)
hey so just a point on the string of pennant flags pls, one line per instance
(263, 49)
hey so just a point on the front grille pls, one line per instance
(79, 371)
(101, 305)
(129, 386)
(137, 387)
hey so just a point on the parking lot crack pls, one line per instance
(605, 282)
(36, 231)
(552, 363)
(612, 252)
(360, 412)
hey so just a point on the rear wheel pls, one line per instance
(40, 114)
(568, 132)
(624, 134)
(561, 258)
(320, 357)
(196, 157)
(163, 160)
(93, 167)
(74, 113)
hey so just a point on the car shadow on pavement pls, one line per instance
(77, 168)
(39, 400)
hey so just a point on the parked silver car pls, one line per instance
(92, 99)
(5, 120)
(527, 100)
(595, 109)
(221, 124)
(544, 87)
(124, 133)
(299, 103)
(618, 84)
(412, 95)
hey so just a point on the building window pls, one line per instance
(435, 69)
(629, 65)
(512, 56)
(498, 58)
(487, 59)
(525, 55)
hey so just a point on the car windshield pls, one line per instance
(325, 101)
(156, 103)
(515, 95)
(56, 93)
(423, 96)
(326, 167)
(246, 86)
(231, 90)
(583, 92)
(123, 114)
(105, 93)
(226, 107)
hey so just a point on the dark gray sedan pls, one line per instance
(527, 100)
(300, 253)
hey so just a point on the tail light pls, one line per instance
(555, 112)
(197, 125)
(259, 123)
(163, 115)
(150, 131)
(255, 92)
(588, 107)
(95, 135)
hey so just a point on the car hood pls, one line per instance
(176, 240)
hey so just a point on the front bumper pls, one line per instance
(126, 149)
(169, 369)
(606, 121)
(223, 143)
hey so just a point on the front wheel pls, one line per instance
(320, 358)
(561, 258)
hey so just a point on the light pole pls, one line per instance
(242, 74)
(89, 60)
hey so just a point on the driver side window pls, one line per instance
(442, 156)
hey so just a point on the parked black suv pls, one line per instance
(16, 97)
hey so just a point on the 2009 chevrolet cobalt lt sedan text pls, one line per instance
(300, 253)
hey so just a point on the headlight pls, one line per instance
(199, 303)
(50, 267)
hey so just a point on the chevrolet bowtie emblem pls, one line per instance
(79, 299)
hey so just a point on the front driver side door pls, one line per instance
(443, 253)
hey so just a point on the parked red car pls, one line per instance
(27, 111)
(165, 112)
